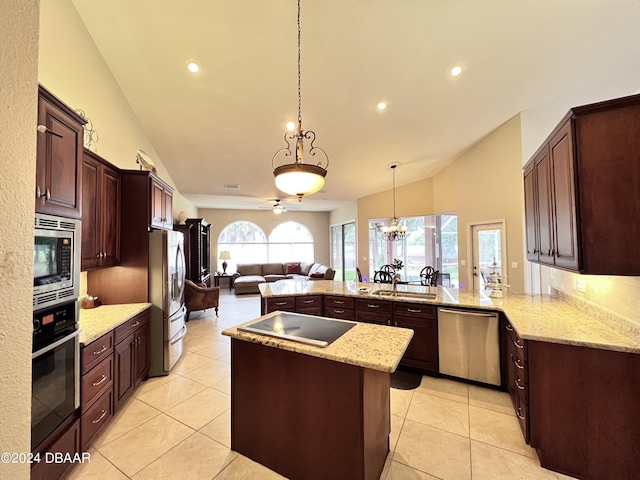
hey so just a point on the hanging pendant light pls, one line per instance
(394, 231)
(299, 178)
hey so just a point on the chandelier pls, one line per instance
(299, 178)
(394, 231)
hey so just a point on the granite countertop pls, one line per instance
(535, 317)
(95, 322)
(377, 347)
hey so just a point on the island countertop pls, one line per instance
(535, 317)
(377, 347)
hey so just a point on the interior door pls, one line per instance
(488, 248)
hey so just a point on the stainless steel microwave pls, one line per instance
(56, 260)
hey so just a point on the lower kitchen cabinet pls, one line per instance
(309, 304)
(66, 440)
(339, 307)
(131, 357)
(517, 368)
(422, 351)
(373, 311)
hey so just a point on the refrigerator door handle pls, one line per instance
(180, 335)
(179, 314)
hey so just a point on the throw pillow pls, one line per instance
(292, 268)
(317, 275)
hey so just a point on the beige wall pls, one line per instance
(71, 67)
(316, 222)
(18, 104)
(482, 184)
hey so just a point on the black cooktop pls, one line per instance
(317, 331)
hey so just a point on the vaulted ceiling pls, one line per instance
(222, 125)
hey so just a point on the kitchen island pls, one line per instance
(309, 412)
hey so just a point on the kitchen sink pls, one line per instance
(389, 293)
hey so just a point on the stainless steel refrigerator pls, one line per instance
(166, 293)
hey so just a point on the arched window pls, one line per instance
(246, 242)
(291, 241)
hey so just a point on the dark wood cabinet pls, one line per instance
(580, 190)
(584, 409)
(517, 378)
(422, 351)
(64, 440)
(131, 357)
(373, 311)
(100, 212)
(309, 304)
(161, 204)
(284, 304)
(197, 249)
(58, 186)
(339, 307)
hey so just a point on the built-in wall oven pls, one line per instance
(55, 393)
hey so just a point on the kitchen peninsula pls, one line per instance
(309, 412)
(572, 370)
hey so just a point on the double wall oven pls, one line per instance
(55, 393)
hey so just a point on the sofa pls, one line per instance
(249, 276)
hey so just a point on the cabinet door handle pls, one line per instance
(370, 305)
(135, 324)
(414, 311)
(103, 349)
(518, 414)
(520, 387)
(104, 377)
(553, 252)
(40, 193)
(44, 129)
(99, 419)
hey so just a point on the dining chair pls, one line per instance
(425, 275)
(385, 274)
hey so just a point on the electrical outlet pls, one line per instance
(581, 285)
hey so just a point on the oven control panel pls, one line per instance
(53, 323)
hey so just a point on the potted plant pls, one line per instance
(397, 264)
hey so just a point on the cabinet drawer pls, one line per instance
(522, 413)
(96, 381)
(96, 351)
(379, 306)
(309, 301)
(96, 418)
(338, 302)
(281, 303)
(514, 340)
(519, 368)
(414, 310)
(373, 317)
(130, 326)
(342, 313)
(311, 310)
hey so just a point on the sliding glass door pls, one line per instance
(343, 251)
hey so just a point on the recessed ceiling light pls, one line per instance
(193, 67)
(457, 70)
(291, 126)
(381, 106)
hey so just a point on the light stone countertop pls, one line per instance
(95, 322)
(535, 317)
(377, 347)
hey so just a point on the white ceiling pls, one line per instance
(222, 125)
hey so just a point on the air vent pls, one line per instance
(46, 222)
(68, 225)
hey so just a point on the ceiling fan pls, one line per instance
(278, 208)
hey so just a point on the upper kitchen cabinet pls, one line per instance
(581, 191)
(145, 190)
(100, 212)
(59, 151)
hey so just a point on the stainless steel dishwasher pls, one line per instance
(469, 344)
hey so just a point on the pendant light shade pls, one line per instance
(299, 178)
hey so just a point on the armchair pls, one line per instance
(200, 297)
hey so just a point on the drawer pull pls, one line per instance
(515, 342)
(338, 311)
(509, 327)
(104, 377)
(518, 364)
(103, 349)
(414, 311)
(281, 303)
(135, 324)
(518, 384)
(308, 301)
(339, 302)
(518, 414)
(370, 305)
(102, 415)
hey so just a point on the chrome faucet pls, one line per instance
(396, 279)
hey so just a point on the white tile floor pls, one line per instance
(179, 426)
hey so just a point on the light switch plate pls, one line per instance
(463, 262)
(514, 264)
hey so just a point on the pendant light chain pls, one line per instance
(299, 77)
(393, 167)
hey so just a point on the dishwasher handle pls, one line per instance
(464, 312)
